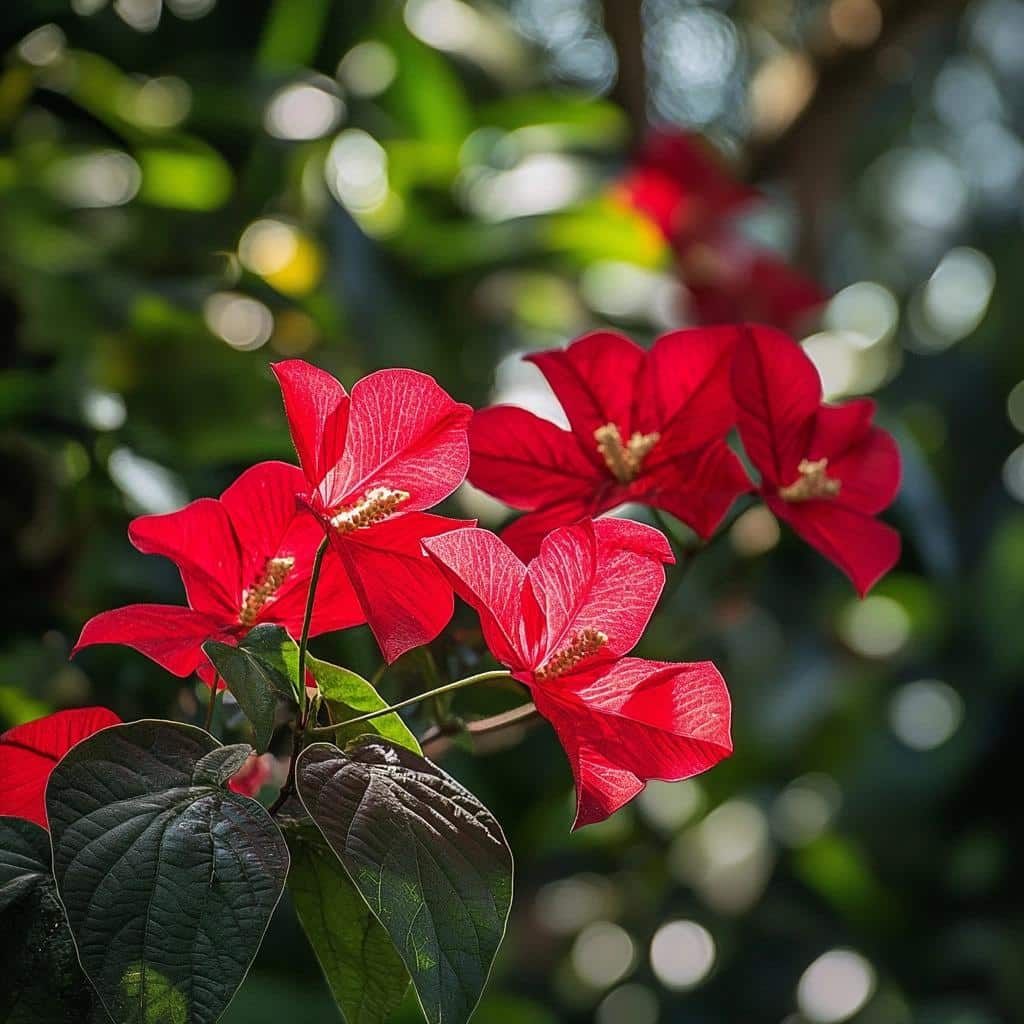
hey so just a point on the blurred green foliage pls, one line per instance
(191, 189)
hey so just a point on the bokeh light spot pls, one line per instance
(368, 69)
(876, 627)
(603, 954)
(925, 714)
(682, 954)
(301, 111)
(636, 1004)
(835, 987)
(244, 323)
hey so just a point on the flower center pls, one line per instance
(583, 645)
(376, 504)
(812, 483)
(623, 459)
(275, 572)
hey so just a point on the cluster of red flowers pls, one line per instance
(682, 187)
(646, 426)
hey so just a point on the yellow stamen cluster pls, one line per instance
(376, 504)
(812, 483)
(275, 572)
(623, 459)
(583, 645)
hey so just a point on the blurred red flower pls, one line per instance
(645, 427)
(825, 469)
(255, 773)
(691, 197)
(29, 752)
(372, 463)
(563, 624)
(244, 559)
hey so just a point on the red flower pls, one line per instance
(563, 625)
(646, 427)
(694, 201)
(244, 559)
(372, 463)
(255, 773)
(825, 469)
(29, 752)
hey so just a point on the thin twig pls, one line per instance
(436, 740)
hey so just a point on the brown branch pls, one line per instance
(624, 24)
(488, 734)
(808, 152)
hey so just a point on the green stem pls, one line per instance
(480, 677)
(211, 704)
(314, 577)
(300, 730)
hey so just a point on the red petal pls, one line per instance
(405, 433)
(199, 540)
(869, 472)
(730, 281)
(594, 379)
(685, 391)
(489, 578)
(29, 752)
(696, 487)
(261, 507)
(336, 605)
(682, 166)
(524, 536)
(526, 461)
(859, 545)
(640, 720)
(777, 391)
(838, 428)
(254, 774)
(406, 599)
(578, 583)
(168, 634)
(317, 409)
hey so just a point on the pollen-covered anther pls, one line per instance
(623, 458)
(812, 483)
(275, 572)
(583, 645)
(376, 504)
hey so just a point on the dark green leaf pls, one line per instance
(349, 695)
(169, 880)
(24, 859)
(41, 980)
(430, 860)
(365, 975)
(263, 667)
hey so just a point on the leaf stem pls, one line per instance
(314, 577)
(480, 677)
(211, 704)
(513, 722)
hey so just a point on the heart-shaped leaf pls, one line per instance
(365, 974)
(41, 982)
(168, 879)
(24, 859)
(430, 860)
(349, 695)
(262, 668)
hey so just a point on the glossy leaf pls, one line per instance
(262, 668)
(348, 696)
(428, 857)
(24, 859)
(362, 968)
(168, 879)
(41, 980)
